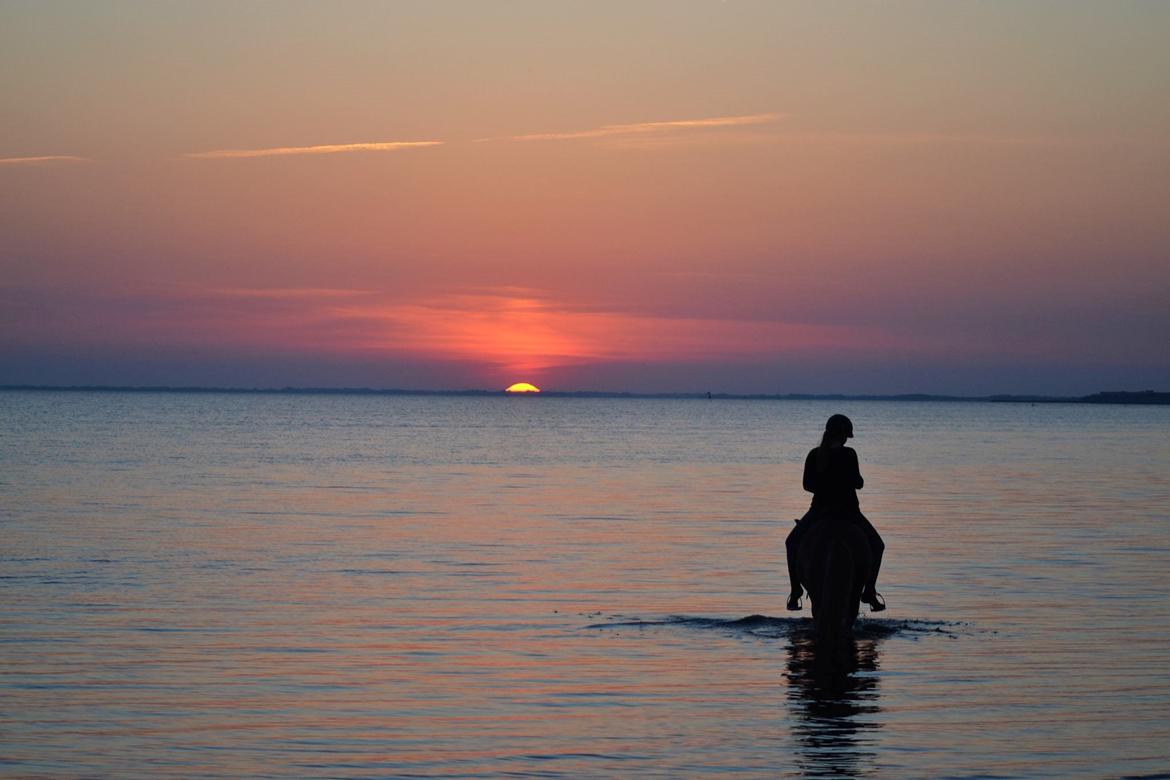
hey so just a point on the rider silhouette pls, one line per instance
(832, 475)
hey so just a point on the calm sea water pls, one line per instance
(350, 586)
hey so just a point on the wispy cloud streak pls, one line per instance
(378, 146)
(921, 139)
(43, 160)
(287, 293)
(640, 128)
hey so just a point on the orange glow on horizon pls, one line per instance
(527, 332)
(495, 333)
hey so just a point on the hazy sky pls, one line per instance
(680, 196)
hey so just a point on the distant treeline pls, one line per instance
(1112, 397)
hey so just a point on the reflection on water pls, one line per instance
(833, 695)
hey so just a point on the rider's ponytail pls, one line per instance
(838, 427)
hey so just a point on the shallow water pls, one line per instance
(357, 586)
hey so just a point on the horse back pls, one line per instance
(838, 538)
(835, 528)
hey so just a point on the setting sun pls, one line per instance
(522, 387)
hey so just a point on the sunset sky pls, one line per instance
(643, 196)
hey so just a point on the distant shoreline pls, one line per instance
(1146, 397)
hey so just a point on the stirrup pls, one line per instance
(794, 604)
(876, 602)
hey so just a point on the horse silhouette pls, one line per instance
(834, 561)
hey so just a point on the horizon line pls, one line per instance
(1101, 396)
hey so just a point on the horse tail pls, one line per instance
(837, 584)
